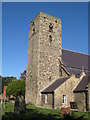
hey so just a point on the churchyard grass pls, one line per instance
(37, 113)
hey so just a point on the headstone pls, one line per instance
(20, 105)
(65, 111)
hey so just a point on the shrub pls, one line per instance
(15, 88)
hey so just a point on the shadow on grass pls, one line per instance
(34, 114)
(30, 114)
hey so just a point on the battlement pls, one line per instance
(45, 16)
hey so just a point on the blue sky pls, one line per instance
(15, 29)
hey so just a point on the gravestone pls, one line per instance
(20, 105)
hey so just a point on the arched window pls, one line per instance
(50, 27)
(33, 28)
(50, 38)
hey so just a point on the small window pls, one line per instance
(46, 98)
(33, 30)
(44, 19)
(65, 99)
(50, 27)
(56, 21)
(50, 38)
(33, 23)
(73, 105)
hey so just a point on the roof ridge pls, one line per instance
(76, 52)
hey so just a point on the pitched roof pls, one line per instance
(83, 84)
(73, 62)
(55, 85)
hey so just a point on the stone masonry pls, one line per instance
(66, 89)
(44, 55)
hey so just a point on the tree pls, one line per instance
(23, 75)
(17, 89)
(7, 80)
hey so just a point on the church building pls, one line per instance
(55, 77)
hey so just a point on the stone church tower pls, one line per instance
(44, 54)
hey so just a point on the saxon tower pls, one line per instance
(44, 54)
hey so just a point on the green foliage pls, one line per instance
(16, 87)
(6, 80)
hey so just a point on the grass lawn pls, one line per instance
(35, 113)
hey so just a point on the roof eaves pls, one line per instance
(47, 92)
(79, 91)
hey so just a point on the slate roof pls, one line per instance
(73, 62)
(55, 85)
(82, 86)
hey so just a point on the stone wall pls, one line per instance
(89, 96)
(44, 52)
(49, 103)
(32, 62)
(66, 89)
(50, 52)
(80, 99)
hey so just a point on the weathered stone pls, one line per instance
(20, 105)
(43, 55)
(45, 65)
(81, 101)
(89, 96)
(65, 111)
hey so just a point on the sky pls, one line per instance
(15, 30)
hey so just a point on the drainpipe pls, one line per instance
(86, 96)
(53, 100)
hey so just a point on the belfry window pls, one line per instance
(50, 27)
(33, 23)
(50, 38)
(33, 30)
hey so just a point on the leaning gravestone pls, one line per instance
(20, 105)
